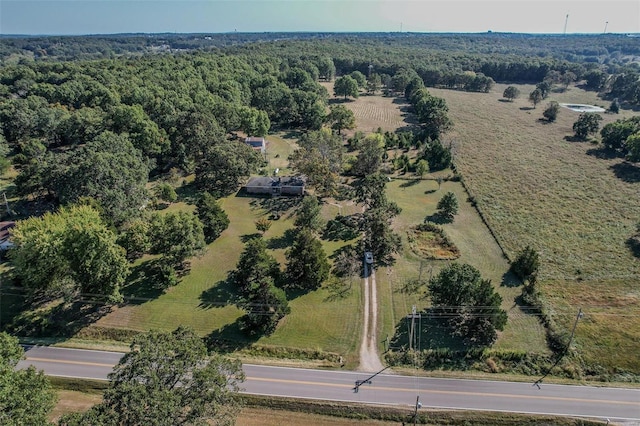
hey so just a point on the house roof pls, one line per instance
(266, 181)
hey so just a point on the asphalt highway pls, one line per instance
(616, 404)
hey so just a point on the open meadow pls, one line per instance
(562, 198)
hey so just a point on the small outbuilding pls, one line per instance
(283, 185)
(258, 144)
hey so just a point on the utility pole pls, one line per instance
(566, 20)
(605, 27)
(566, 349)
(412, 332)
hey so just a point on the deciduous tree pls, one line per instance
(588, 123)
(72, 246)
(26, 396)
(551, 112)
(168, 378)
(468, 303)
(511, 93)
(308, 214)
(536, 97)
(340, 117)
(346, 86)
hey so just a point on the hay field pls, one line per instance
(538, 189)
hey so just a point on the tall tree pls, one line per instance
(168, 379)
(469, 303)
(177, 236)
(345, 86)
(448, 206)
(71, 247)
(587, 124)
(511, 93)
(255, 265)
(369, 158)
(224, 167)
(307, 264)
(265, 306)
(320, 159)
(535, 97)
(551, 112)
(340, 117)
(26, 396)
(308, 214)
(213, 217)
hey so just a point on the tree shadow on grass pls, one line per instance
(528, 108)
(230, 338)
(633, 243)
(409, 183)
(574, 138)
(603, 153)
(437, 218)
(435, 333)
(62, 321)
(142, 286)
(627, 172)
(188, 193)
(283, 241)
(247, 237)
(509, 279)
(276, 206)
(220, 294)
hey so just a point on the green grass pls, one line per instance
(536, 188)
(477, 247)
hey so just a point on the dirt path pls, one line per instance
(369, 359)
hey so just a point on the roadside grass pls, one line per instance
(477, 247)
(536, 188)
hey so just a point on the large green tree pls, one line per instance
(448, 206)
(346, 86)
(319, 159)
(340, 117)
(369, 158)
(265, 305)
(71, 251)
(307, 264)
(511, 93)
(468, 303)
(254, 266)
(26, 396)
(224, 167)
(213, 217)
(168, 378)
(588, 123)
(308, 214)
(177, 236)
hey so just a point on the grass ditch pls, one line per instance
(397, 415)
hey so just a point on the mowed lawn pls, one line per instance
(477, 248)
(204, 301)
(576, 209)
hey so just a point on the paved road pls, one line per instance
(618, 405)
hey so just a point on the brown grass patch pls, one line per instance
(577, 209)
(430, 242)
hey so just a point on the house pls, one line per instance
(284, 185)
(258, 144)
(5, 235)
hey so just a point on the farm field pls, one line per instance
(536, 188)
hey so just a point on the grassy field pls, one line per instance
(205, 302)
(536, 188)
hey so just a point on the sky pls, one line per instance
(73, 17)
